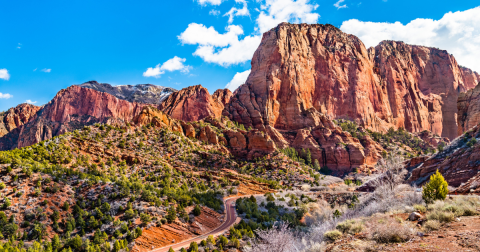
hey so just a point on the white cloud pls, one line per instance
(212, 2)
(238, 80)
(30, 101)
(223, 49)
(214, 12)
(5, 96)
(201, 35)
(457, 32)
(228, 48)
(234, 12)
(34, 69)
(174, 64)
(4, 74)
(46, 70)
(338, 6)
(274, 12)
(19, 46)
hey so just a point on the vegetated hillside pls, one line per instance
(141, 93)
(96, 188)
(299, 68)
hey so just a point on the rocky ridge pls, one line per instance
(141, 93)
(16, 117)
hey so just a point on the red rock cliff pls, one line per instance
(468, 105)
(194, 103)
(16, 117)
(299, 67)
(72, 108)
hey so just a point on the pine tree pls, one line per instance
(435, 189)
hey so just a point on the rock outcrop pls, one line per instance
(222, 96)
(300, 69)
(470, 78)
(458, 162)
(16, 117)
(468, 105)
(142, 93)
(71, 109)
(194, 103)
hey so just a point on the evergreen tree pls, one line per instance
(435, 189)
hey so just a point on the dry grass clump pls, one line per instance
(446, 211)
(420, 208)
(350, 227)
(388, 230)
(432, 225)
(333, 235)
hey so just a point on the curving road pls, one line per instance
(231, 216)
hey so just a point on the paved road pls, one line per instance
(231, 216)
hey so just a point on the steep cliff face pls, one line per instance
(142, 93)
(470, 78)
(300, 67)
(16, 117)
(222, 96)
(468, 106)
(194, 103)
(72, 108)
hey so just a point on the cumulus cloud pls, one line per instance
(174, 64)
(223, 49)
(238, 80)
(30, 101)
(212, 2)
(46, 70)
(5, 96)
(214, 12)
(4, 74)
(338, 4)
(457, 32)
(229, 48)
(234, 12)
(274, 12)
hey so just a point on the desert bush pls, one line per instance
(350, 227)
(388, 230)
(441, 216)
(435, 189)
(420, 208)
(333, 235)
(432, 225)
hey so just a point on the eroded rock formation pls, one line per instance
(71, 109)
(193, 104)
(16, 117)
(298, 68)
(468, 109)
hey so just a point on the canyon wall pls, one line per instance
(300, 67)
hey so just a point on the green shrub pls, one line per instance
(441, 216)
(350, 227)
(435, 189)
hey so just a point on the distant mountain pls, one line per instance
(142, 93)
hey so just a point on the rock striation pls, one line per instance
(16, 117)
(142, 93)
(300, 69)
(195, 103)
(71, 109)
(468, 105)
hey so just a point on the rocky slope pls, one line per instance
(195, 103)
(16, 117)
(71, 109)
(142, 93)
(298, 68)
(459, 162)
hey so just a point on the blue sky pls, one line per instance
(49, 45)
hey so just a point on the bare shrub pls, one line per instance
(388, 230)
(432, 225)
(278, 238)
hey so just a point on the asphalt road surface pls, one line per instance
(231, 216)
